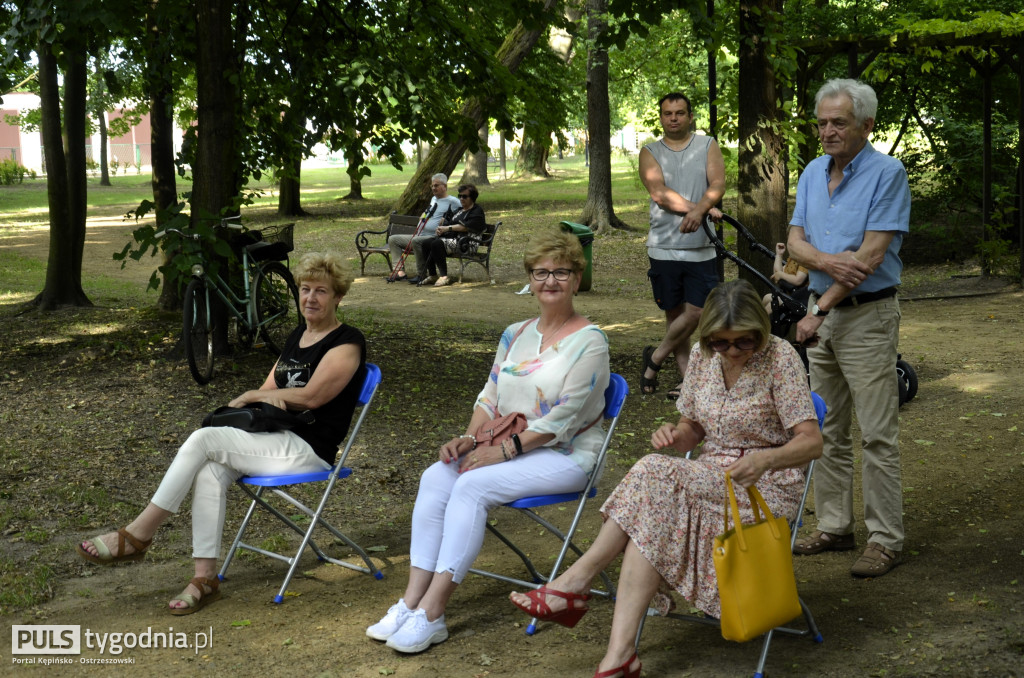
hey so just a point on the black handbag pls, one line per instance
(257, 418)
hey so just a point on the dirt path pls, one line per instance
(954, 609)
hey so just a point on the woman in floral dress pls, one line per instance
(553, 369)
(746, 399)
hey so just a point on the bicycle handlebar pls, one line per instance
(226, 222)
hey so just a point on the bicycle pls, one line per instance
(268, 306)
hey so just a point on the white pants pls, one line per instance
(449, 518)
(212, 459)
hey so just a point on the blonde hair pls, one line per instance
(323, 266)
(733, 306)
(559, 246)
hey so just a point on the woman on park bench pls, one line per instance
(468, 219)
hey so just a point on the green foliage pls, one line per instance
(13, 172)
(999, 256)
(213, 247)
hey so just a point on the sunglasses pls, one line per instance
(741, 344)
(463, 196)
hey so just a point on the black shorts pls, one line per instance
(675, 282)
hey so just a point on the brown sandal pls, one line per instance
(819, 542)
(875, 561)
(192, 604)
(105, 557)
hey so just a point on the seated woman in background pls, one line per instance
(321, 368)
(469, 219)
(745, 396)
(554, 370)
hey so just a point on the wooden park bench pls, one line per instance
(405, 224)
(366, 244)
(482, 255)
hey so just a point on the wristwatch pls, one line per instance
(818, 312)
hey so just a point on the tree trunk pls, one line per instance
(104, 173)
(502, 157)
(215, 177)
(75, 113)
(355, 188)
(762, 171)
(533, 157)
(445, 157)
(161, 117)
(536, 147)
(476, 165)
(63, 285)
(288, 199)
(598, 212)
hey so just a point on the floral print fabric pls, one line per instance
(560, 390)
(672, 508)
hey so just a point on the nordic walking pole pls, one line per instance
(408, 246)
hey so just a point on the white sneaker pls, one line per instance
(392, 621)
(417, 634)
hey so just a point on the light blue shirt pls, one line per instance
(873, 196)
(443, 205)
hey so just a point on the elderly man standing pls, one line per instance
(852, 211)
(685, 176)
(440, 203)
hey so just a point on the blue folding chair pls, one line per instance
(812, 632)
(614, 397)
(331, 477)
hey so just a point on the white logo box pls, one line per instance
(46, 639)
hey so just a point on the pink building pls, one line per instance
(131, 152)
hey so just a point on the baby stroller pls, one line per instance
(787, 307)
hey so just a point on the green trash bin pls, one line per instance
(586, 237)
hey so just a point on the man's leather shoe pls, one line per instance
(820, 542)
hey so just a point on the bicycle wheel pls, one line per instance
(197, 331)
(277, 305)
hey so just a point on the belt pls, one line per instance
(866, 297)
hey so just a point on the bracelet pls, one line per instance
(473, 438)
(517, 443)
(504, 452)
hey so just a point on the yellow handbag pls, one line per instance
(754, 568)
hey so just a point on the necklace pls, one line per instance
(317, 334)
(555, 333)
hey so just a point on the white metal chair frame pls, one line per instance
(812, 632)
(331, 476)
(615, 396)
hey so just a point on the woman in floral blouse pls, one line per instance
(554, 369)
(745, 397)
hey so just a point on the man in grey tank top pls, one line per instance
(685, 175)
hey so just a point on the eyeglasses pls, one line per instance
(741, 344)
(463, 196)
(541, 274)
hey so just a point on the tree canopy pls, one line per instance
(362, 78)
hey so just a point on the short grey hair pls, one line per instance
(865, 103)
(439, 177)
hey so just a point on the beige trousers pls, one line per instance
(853, 368)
